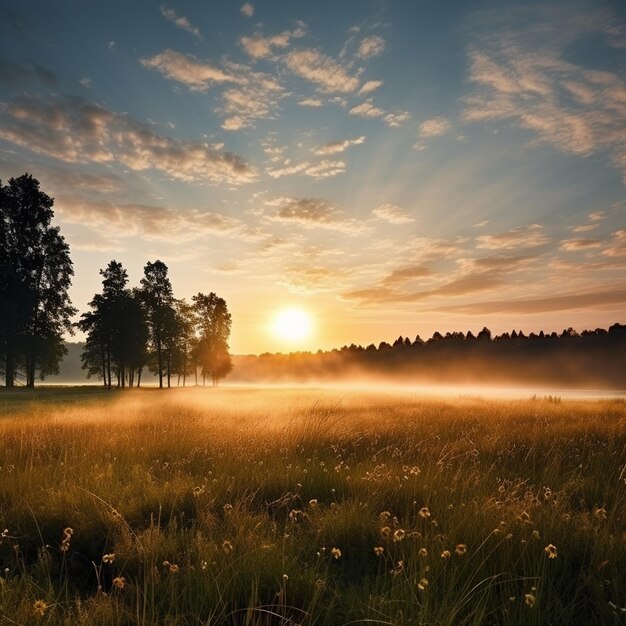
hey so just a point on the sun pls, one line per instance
(292, 325)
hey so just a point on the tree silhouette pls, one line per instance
(214, 322)
(35, 275)
(157, 295)
(116, 330)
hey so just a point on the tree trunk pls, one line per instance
(109, 366)
(169, 367)
(139, 377)
(160, 364)
(10, 368)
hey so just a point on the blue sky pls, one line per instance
(391, 167)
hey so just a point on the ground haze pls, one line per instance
(309, 506)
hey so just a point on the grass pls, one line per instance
(265, 507)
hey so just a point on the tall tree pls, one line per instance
(214, 323)
(116, 329)
(35, 275)
(158, 300)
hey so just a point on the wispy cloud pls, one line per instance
(186, 69)
(521, 237)
(575, 245)
(180, 21)
(392, 214)
(324, 72)
(149, 221)
(369, 86)
(313, 213)
(371, 46)
(568, 302)
(370, 110)
(76, 130)
(311, 102)
(324, 169)
(247, 9)
(617, 245)
(525, 75)
(335, 147)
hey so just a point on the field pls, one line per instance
(258, 507)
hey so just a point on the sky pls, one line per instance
(390, 167)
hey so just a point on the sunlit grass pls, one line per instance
(309, 507)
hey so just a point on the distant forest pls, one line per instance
(593, 358)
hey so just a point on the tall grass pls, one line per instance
(258, 507)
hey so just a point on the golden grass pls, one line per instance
(228, 506)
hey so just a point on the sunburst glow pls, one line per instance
(292, 325)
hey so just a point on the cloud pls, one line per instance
(254, 99)
(187, 69)
(310, 279)
(323, 169)
(521, 237)
(464, 285)
(247, 9)
(259, 47)
(77, 130)
(525, 74)
(405, 274)
(366, 109)
(567, 302)
(321, 70)
(369, 110)
(311, 102)
(151, 222)
(392, 214)
(371, 46)
(180, 21)
(434, 127)
(312, 213)
(369, 86)
(335, 147)
(573, 245)
(618, 244)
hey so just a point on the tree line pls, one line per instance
(126, 329)
(590, 358)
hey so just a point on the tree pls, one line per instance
(214, 323)
(157, 295)
(116, 330)
(35, 275)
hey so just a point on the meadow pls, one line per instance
(326, 507)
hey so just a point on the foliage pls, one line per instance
(35, 275)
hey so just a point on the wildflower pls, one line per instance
(424, 513)
(313, 503)
(384, 517)
(294, 514)
(285, 578)
(398, 535)
(40, 607)
(336, 552)
(535, 534)
(228, 509)
(530, 599)
(445, 555)
(378, 550)
(174, 568)
(203, 565)
(423, 552)
(600, 514)
(550, 550)
(461, 549)
(67, 537)
(385, 530)
(119, 582)
(227, 546)
(108, 558)
(525, 517)
(422, 584)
